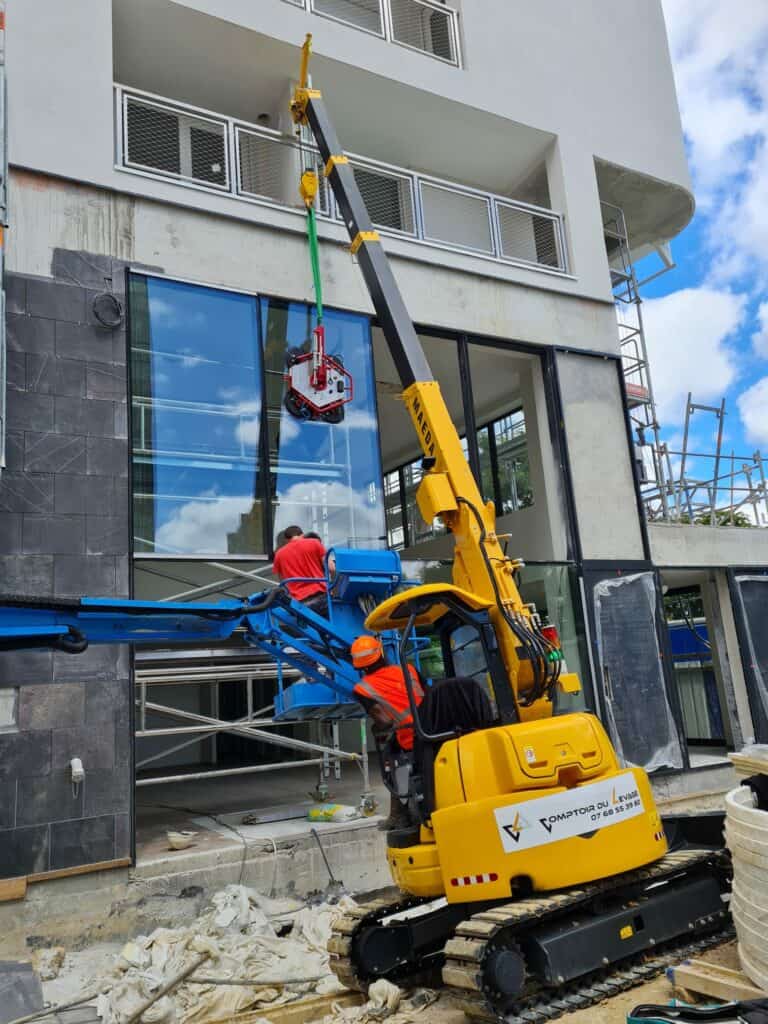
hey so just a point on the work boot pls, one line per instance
(398, 815)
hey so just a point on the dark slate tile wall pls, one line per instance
(64, 532)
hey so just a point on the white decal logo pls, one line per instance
(575, 812)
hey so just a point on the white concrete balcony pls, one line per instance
(429, 26)
(203, 150)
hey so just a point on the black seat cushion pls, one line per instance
(458, 705)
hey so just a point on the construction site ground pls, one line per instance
(79, 969)
(176, 890)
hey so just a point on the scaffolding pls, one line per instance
(716, 488)
(179, 728)
(634, 353)
(713, 488)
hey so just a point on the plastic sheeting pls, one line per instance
(753, 595)
(639, 714)
(240, 933)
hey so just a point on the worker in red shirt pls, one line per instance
(303, 557)
(383, 694)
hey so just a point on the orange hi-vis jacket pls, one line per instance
(387, 687)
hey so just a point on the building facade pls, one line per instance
(158, 279)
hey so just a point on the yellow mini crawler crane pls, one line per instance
(526, 870)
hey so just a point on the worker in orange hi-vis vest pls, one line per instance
(382, 693)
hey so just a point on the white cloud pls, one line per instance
(753, 407)
(202, 525)
(760, 337)
(687, 333)
(720, 56)
(339, 513)
(247, 432)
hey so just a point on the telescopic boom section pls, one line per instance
(448, 489)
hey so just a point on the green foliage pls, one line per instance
(723, 517)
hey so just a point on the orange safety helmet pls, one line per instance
(366, 650)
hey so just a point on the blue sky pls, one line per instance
(707, 320)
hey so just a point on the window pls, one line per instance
(504, 479)
(196, 419)
(323, 477)
(504, 463)
(216, 469)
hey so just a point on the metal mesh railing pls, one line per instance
(428, 26)
(182, 144)
(388, 197)
(163, 138)
(269, 165)
(365, 14)
(456, 218)
(528, 235)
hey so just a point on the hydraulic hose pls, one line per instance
(545, 673)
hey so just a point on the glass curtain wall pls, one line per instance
(196, 419)
(323, 477)
(216, 469)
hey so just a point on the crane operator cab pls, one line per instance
(501, 804)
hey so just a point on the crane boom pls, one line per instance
(448, 489)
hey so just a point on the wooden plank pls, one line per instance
(299, 1012)
(713, 980)
(13, 889)
(81, 869)
(750, 764)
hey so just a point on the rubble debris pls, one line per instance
(245, 952)
(48, 962)
(385, 1002)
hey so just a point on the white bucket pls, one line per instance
(746, 835)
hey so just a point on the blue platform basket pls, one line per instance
(303, 701)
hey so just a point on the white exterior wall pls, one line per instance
(678, 544)
(198, 246)
(556, 68)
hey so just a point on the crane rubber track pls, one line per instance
(465, 951)
(343, 934)
(599, 986)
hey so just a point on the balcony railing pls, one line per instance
(424, 25)
(203, 150)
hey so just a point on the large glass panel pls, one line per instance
(512, 466)
(196, 380)
(323, 477)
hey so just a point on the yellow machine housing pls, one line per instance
(462, 855)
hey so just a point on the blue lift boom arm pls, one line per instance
(287, 630)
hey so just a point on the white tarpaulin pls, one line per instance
(240, 933)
